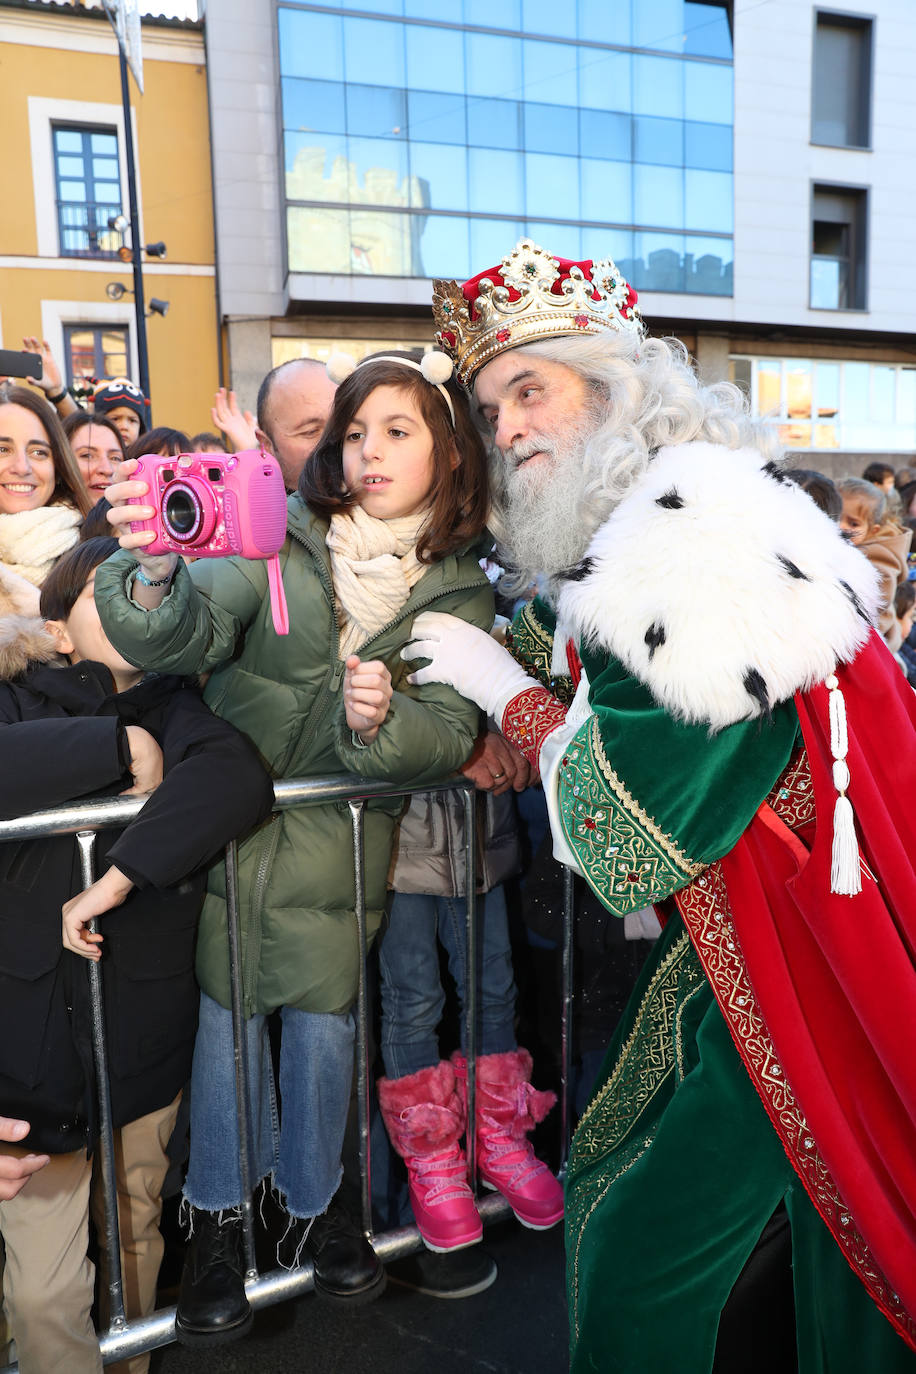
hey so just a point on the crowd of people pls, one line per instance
(649, 736)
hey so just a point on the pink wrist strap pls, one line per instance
(529, 718)
(277, 595)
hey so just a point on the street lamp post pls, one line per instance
(135, 244)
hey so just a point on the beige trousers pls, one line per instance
(48, 1281)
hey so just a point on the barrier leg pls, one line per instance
(362, 1018)
(566, 1047)
(471, 974)
(85, 840)
(240, 1050)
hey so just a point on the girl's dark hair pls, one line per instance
(458, 509)
(70, 573)
(820, 488)
(904, 597)
(69, 485)
(169, 442)
(207, 441)
(80, 418)
(877, 473)
(906, 497)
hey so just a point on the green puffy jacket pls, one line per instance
(299, 938)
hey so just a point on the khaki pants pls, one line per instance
(49, 1280)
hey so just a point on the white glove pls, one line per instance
(467, 659)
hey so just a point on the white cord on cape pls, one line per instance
(845, 867)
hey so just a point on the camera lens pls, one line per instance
(182, 512)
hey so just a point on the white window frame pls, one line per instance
(55, 314)
(44, 113)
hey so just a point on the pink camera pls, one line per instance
(212, 505)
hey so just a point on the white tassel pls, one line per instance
(845, 865)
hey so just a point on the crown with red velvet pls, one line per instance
(529, 296)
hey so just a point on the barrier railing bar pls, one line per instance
(362, 1017)
(566, 1028)
(85, 840)
(240, 1055)
(470, 982)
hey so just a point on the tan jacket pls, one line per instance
(888, 552)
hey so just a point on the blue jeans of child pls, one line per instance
(412, 993)
(301, 1151)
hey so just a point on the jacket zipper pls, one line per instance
(269, 846)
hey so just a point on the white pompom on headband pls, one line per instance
(436, 368)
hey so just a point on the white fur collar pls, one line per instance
(721, 586)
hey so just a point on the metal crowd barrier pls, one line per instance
(124, 1338)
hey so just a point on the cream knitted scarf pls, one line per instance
(374, 565)
(31, 541)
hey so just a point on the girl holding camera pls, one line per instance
(388, 509)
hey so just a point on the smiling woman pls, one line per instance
(42, 497)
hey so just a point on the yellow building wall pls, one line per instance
(173, 153)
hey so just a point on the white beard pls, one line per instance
(547, 512)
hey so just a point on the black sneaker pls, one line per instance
(212, 1305)
(451, 1274)
(347, 1269)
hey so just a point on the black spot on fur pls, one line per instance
(579, 572)
(859, 608)
(672, 500)
(775, 471)
(792, 568)
(755, 687)
(655, 635)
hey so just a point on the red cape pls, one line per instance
(827, 1022)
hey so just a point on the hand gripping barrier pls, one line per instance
(124, 1338)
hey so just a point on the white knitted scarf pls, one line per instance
(374, 565)
(31, 541)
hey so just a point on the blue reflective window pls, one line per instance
(658, 196)
(551, 129)
(659, 25)
(604, 79)
(709, 266)
(562, 240)
(550, 72)
(658, 140)
(605, 21)
(438, 176)
(422, 9)
(378, 171)
(709, 200)
(616, 244)
(377, 6)
(316, 167)
(546, 16)
(318, 240)
(436, 118)
(442, 247)
(383, 244)
(495, 14)
(106, 144)
(708, 92)
(311, 45)
(708, 145)
(70, 167)
(602, 134)
(376, 111)
(706, 29)
(658, 86)
(494, 123)
(658, 262)
(374, 52)
(495, 182)
(552, 185)
(435, 58)
(492, 240)
(607, 191)
(313, 104)
(68, 141)
(494, 65)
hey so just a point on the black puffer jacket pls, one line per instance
(61, 738)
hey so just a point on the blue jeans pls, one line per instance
(301, 1151)
(412, 993)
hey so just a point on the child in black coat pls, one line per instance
(99, 726)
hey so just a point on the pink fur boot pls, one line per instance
(508, 1107)
(424, 1116)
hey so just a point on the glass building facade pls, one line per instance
(424, 137)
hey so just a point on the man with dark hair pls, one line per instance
(881, 474)
(294, 402)
(739, 752)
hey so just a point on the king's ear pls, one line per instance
(62, 641)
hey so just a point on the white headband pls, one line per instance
(435, 368)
